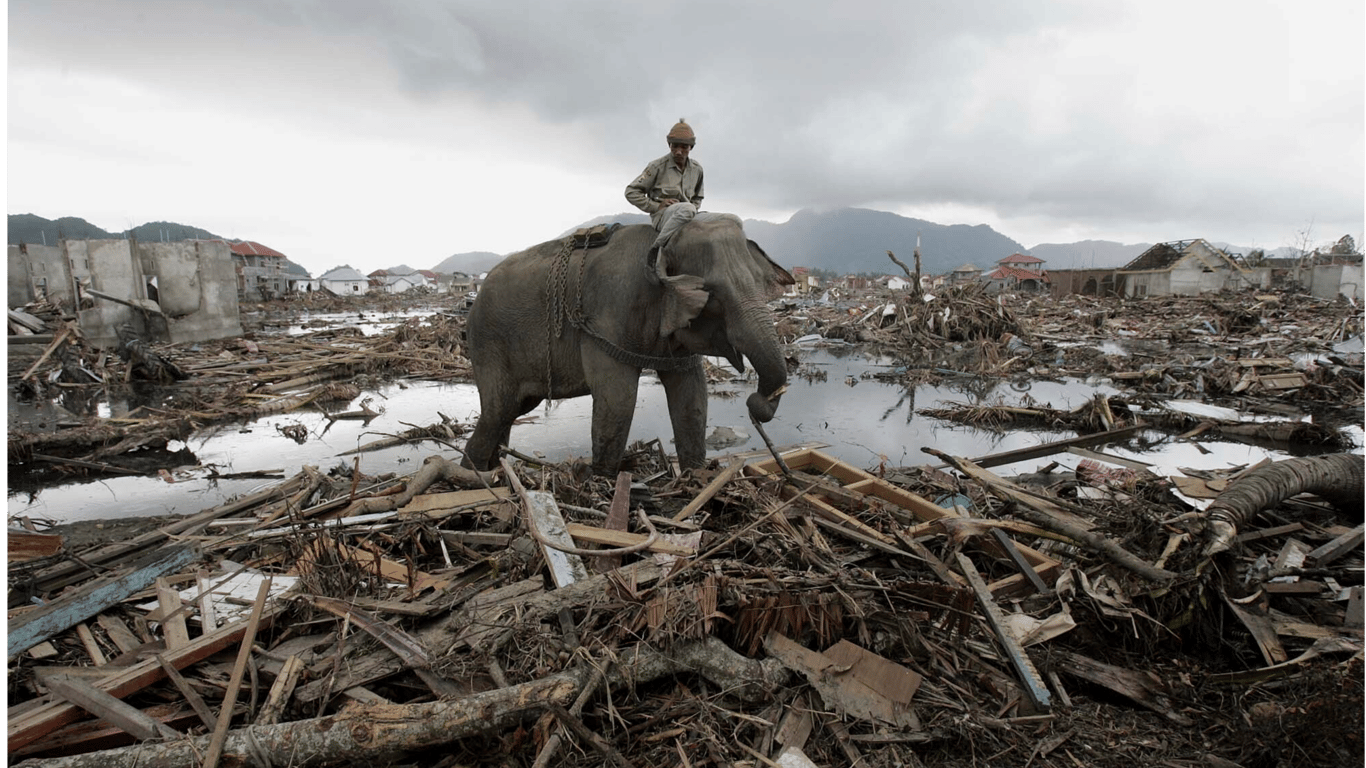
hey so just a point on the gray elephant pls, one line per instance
(557, 321)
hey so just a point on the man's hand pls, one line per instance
(666, 202)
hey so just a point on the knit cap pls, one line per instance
(682, 133)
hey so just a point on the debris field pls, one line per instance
(777, 608)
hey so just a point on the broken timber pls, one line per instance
(854, 485)
(369, 732)
(1033, 684)
(60, 614)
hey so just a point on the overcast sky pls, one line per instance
(368, 133)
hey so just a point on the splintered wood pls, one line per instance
(795, 613)
(813, 622)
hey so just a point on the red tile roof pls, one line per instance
(1001, 273)
(249, 248)
(1020, 258)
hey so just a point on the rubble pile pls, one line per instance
(760, 612)
(754, 613)
(217, 382)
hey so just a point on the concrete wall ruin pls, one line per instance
(1086, 282)
(172, 292)
(38, 271)
(1190, 278)
(1328, 281)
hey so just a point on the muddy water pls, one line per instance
(860, 419)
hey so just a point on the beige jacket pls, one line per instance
(662, 179)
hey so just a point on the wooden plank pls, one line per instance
(1282, 381)
(1353, 617)
(1263, 631)
(796, 726)
(92, 735)
(34, 724)
(442, 502)
(201, 709)
(477, 538)
(1034, 685)
(119, 633)
(280, 692)
(1293, 588)
(565, 568)
(90, 599)
(109, 709)
(1021, 565)
(91, 647)
(413, 608)
(618, 518)
(208, 616)
(1269, 533)
(1142, 687)
(1292, 555)
(1085, 453)
(717, 483)
(25, 545)
(173, 627)
(1048, 449)
(1336, 548)
(220, 731)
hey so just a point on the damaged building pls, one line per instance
(174, 292)
(1187, 268)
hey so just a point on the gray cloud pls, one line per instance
(1115, 118)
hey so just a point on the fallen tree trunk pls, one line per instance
(1336, 478)
(377, 732)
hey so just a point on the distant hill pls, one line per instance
(169, 232)
(854, 240)
(28, 228)
(616, 218)
(1087, 254)
(471, 263)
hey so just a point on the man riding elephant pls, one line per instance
(670, 188)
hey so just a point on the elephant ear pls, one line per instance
(683, 299)
(777, 277)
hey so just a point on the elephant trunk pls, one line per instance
(757, 341)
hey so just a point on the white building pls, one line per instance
(344, 281)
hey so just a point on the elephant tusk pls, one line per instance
(777, 392)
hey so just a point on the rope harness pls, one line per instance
(558, 312)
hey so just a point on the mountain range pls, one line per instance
(28, 228)
(856, 240)
(842, 241)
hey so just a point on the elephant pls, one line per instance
(558, 321)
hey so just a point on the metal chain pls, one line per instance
(555, 290)
(557, 312)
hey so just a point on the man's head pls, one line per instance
(681, 141)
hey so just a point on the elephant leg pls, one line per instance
(614, 386)
(497, 412)
(686, 393)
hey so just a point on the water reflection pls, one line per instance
(859, 419)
